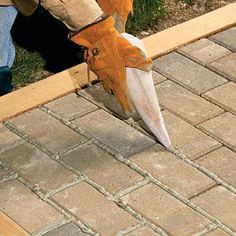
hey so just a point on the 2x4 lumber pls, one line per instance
(9, 228)
(190, 31)
(72, 79)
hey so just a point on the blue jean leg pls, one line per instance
(7, 50)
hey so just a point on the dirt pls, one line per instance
(178, 12)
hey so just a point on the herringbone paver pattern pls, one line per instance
(76, 167)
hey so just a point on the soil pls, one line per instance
(178, 12)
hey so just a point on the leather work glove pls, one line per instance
(119, 9)
(108, 54)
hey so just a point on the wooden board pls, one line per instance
(159, 44)
(189, 31)
(9, 228)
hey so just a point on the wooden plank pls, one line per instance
(43, 91)
(159, 44)
(9, 228)
(192, 30)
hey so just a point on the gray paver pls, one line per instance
(187, 73)
(66, 230)
(184, 103)
(71, 106)
(25, 208)
(204, 51)
(102, 168)
(173, 172)
(105, 100)
(114, 133)
(94, 209)
(187, 138)
(166, 211)
(7, 138)
(219, 202)
(217, 232)
(225, 66)
(37, 167)
(226, 38)
(144, 231)
(47, 130)
(223, 128)
(222, 162)
(224, 96)
(158, 78)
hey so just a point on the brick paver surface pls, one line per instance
(225, 66)
(204, 51)
(223, 128)
(198, 79)
(226, 38)
(92, 207)
(78, 166)
(224, 96)
(184, 103)
(221, 203)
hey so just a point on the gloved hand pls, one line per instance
(108, 54)
(119, 9)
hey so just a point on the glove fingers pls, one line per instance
(133, 56)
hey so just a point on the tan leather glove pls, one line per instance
(108, 54)
(119, 9)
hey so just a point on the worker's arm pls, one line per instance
(75, 14)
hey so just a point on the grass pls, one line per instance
(26, 66)
(146, 14)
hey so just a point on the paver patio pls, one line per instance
(76, 166)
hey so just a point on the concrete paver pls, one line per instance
(226, 38)
(223, 128)
(197, 79)
(47, 130)
(68, 230)
(222, 162)
(116, 160)
(144, 231)
(191, 141)
(111, 130)
(93, 208)
(71, 106)
(33, 164)
(102, 168)
(173, 172)
(225, 66)
(97, 95)
(158, 78)
(224, 96)
(217, 232)
(204, 51)
(220, 203)
(178, 219)
(184, 103)
(7, 137)
(25, 208)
